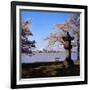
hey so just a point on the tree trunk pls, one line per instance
(78, 50)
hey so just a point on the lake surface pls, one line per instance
(46, 57)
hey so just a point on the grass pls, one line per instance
(49, 69)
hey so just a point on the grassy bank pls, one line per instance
(49, 69)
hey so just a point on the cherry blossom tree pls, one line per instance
(74, 22)
(72, 25)
(68, 35)
(54, 38)
(26, 44)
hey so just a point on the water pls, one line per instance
(46, 57)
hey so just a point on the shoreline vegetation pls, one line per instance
(49, 69)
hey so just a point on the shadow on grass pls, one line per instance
(49, 69)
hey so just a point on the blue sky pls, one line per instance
(43, 24)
